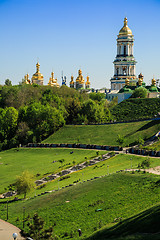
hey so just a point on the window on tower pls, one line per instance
(125, 50)
(117, 71)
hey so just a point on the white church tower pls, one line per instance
(124, 64)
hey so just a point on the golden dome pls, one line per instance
(80, 72)
(140, 79)
(80, 77)
(37, 76)
(87, 82)
(127, 82)
(153, 82)
(125, 30)
(71, 82)
(141, 76)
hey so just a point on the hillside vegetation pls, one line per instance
(43, 162)
(118, 196)
(32, 113)
(143, 226)
(134, 109)
(105, 134)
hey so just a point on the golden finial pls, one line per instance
(125, 22)
(52, 75)
(37, 66)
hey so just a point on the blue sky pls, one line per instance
(71, 34)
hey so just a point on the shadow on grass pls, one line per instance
(148, 125)
(145, 223)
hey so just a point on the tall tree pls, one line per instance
(25, 183)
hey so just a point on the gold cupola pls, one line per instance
(53, 82)
(153, 82)
(125, 30)
(88, 83)
(72, 82)
(27, 80)
(37, 78)
(80, 80)
(127, 82)
(140, 79)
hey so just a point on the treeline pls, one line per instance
(32, 113)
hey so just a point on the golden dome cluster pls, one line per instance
(80, 82)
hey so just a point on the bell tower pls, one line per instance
(124, 63)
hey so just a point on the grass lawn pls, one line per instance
(38, 161)
(105, 134)
(117, 195)
(41, 161)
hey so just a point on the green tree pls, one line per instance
(140, 92)
(25, 183)
(37, 231)
(97, 96)
(8, 82)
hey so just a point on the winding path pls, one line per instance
(7, 230)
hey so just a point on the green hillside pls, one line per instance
(144, 226)
(43, 162)
(105, 134)
(136, 108)
(120, 195)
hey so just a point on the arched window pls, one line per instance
(117, 71)
(124, 50)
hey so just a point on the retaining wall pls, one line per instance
(144, 152)
(74, 145)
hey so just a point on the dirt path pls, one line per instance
(155, 170)
(7, 230)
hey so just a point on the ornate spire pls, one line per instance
(125, 22)
(37, 66)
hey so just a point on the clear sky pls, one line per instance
(71, 34)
